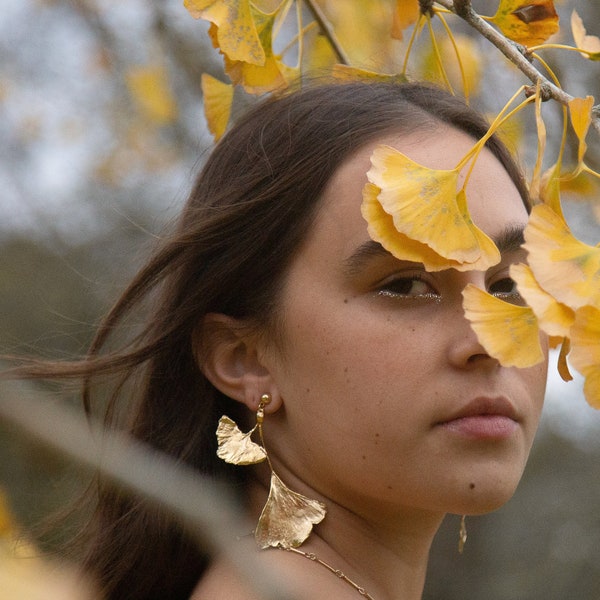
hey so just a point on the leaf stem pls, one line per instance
(282, 11)
(461, 66)
(548, 68)
(438, 56)
(492, 128)
(411, 42)
(559, 47)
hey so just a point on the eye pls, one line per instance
(407, 286)
(506, 289)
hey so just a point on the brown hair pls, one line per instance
(251, 207)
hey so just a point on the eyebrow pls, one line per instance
(510, 239)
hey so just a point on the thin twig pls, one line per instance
(205, 510)
(327, 29)
(514, 52)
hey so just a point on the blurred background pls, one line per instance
(101, 133)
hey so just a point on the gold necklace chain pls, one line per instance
(314, 558)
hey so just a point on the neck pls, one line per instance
(386, 555)
(387, 558)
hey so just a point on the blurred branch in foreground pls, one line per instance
(209, 515)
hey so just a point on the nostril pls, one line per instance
(479, 356)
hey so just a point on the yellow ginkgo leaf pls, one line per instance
(508, 332)
(528, 22)
(7, 524)
(425, 206)
(362, 31)
(580, 110)
(348, 73)
(551, 187)
(258, 80)
(36, 579)
(381, 229)
(585, 351)
(562, 365)
(589, 43)
(25, 574)
(536, 178)
(236, 34)
(406, 13)
(580, 187)
(553, 317)
(511, 131)
(554, 341)
(591, 385)
(272, 74)
(564, 266)
(318, 55)
(218, 97)
(149, 87)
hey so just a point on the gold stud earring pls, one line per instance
(288, 517)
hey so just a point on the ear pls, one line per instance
(230, 358)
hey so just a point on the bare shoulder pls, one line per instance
(222, 582)
(289, 574)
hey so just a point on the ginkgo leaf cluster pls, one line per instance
(561, 281)
(561, 285)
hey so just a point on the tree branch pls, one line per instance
(514, 52)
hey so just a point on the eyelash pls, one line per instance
(390, 288)
(513, 296)
(393, 288)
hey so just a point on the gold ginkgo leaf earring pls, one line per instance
(287, 517)
(236, 447)
(462, 534)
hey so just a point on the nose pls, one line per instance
(464, 349)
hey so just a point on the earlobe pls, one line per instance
(229, 357)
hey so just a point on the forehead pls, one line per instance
(494, 201)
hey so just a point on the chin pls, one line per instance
(486, 485)
(486, 497)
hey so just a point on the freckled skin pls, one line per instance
(384, 370)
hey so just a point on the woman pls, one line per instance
(379, 404)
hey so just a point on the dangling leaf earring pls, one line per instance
(462, 534)
(288, 517)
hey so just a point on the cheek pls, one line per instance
(536, 382)
(346, 351)
(355, 379)
(538, 375)
(532, 385)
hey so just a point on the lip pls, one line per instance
(483, 418)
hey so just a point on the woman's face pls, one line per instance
(389, 401)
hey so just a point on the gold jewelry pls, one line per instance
(462, 534)
(336, 572)
(288, 517)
